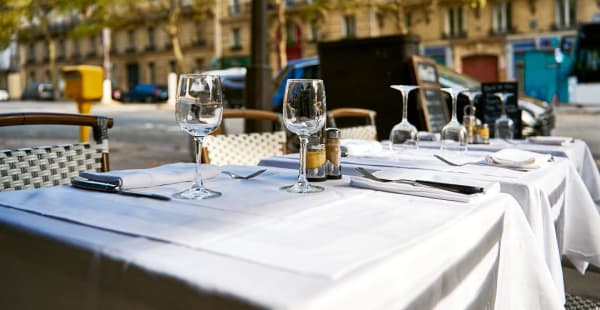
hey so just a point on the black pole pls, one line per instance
(258, 79)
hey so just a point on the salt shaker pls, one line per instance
(334, 168)
(316, 163)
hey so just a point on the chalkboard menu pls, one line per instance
(490, 108)
(434, 112)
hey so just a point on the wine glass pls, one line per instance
(404, 132)
(304, 112)
(198, 111)
(469, 118)
(503, 126)
(454, 134)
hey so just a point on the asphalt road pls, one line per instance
(146, 135)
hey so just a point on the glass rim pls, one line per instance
(305, 80)
(198, 75)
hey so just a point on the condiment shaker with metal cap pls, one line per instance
(333, 153)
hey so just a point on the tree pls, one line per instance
(170, 12)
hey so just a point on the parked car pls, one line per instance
(38, 91)
(3, 95)
(233, 82)
(146, 93)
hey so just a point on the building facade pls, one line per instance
(488, 42)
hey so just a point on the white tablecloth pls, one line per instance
(345, 248)
(554, 199)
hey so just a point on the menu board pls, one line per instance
(434, 112)
(490, 107)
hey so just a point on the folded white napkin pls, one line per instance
(550, 140)
(515, 158)
(161, 175)
(356, 147)
(423, 191)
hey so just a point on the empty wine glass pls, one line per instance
(503, 126)
(454, 134)
(198, 111)
(304, 112)
(404, 133)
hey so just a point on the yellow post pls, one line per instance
(84, 131)
(84, 85)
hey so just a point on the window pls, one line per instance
(502, 21)
(235, 8)
(62, 49)
(290, 31)
(93, 43)
(31, 76)
(408, 20)
(151, 38)
(31, 53)
(565, 13)
(199, 64)
(76, 48)
(350, 26)
(131, 40)
(172, 65)
(152, 72)
(455, 22)
(236, 39)
(313, 32)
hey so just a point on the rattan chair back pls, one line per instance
(368, 131)
(224, 148)
(41, 166)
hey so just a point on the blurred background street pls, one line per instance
(146, 135)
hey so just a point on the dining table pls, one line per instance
(556, 201)
(257, 247)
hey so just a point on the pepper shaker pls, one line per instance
(333, 153)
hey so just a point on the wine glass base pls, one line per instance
(303, 188)
(197, 193)
(453, 146)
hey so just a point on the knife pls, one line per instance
(83, 183)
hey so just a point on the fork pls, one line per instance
(451, 163)
(236, 176)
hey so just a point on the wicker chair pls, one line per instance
(367, 131)
(245, 148)
(41, 166)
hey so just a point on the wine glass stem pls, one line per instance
(198, 149)
(404, 105)
(302, 174)
(454, 107)
(503, 103)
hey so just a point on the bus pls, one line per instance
(584, 82)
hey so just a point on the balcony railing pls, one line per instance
(234, 48)
(150, 48)
(502, 31)
(130, 50)
(92, 54)
(454, 35)
(557, 27)
(199, 43)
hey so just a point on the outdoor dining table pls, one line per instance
(555, 200)
(260, 247)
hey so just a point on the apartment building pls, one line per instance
(487, 42)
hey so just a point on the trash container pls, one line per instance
(359, 72)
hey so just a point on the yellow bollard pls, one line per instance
(84, 85)
(84, 131)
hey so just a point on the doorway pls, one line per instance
(483, 68)
(133, 75)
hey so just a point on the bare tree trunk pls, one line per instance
(173, 30)
(281, 45)
(52, 65)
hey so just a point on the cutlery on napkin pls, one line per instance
(161, 175)
(550, 140)
(427, 191)
(516, 158)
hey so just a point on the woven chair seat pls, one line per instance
(367, 132)
(36, 167)
(41, 166)
(244, 149)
